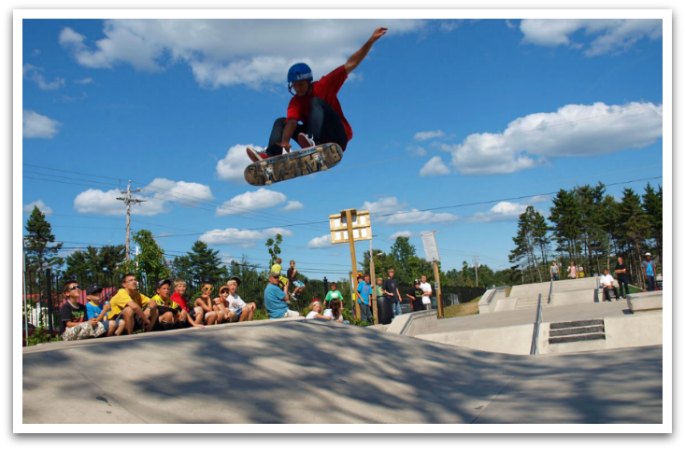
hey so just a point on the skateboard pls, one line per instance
(294, 164)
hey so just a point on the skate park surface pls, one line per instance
(417, 370)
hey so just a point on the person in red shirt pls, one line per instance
(314, 114)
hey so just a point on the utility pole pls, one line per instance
(475, 264)
(128, 199)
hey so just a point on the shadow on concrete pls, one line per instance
(315, 372)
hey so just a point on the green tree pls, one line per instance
(273, 246)
(652, 202)
(40, 249)
(566, 218)
(636, 228)
(149, 265)
(205, 264)
(527, 241)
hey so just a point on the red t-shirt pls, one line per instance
(180, 301)
(327, 89)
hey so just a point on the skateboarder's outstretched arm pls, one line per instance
(358, 56)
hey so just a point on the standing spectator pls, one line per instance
(621, 272)
(74, 325)
(167, 316)
(333, 294)
(581, 272)
(133, 308)
(364, 300)
(649, 271)
(203, 306)
(95, 310)
(554, 271)
(292, 279)
(237, 307)
(315, 313)
(391, 291)
(415, 298)
(606, 282)
(427, 292)
(572, 271)
(276, 299)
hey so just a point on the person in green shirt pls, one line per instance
(333, 294)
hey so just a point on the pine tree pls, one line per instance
(205, 264)
(149, 265)
(652, 204)
(40, 248)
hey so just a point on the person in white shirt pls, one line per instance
(606, 282)
(427, 292)
(242, 311)
(315, 313)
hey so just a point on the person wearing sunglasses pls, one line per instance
(74, 325)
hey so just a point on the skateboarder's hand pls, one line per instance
(378, 33)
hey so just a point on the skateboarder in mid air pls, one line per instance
(314, 114)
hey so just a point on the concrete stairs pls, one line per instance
(527, 303)
(576, 331)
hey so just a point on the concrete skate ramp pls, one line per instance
(298, 371)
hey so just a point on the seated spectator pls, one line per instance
(294, 282)
(94, 310)
(221, 306)
(133, 308)
(335, 312)
(276, 299)
(606, 282)
(168, 316)
(186, 316)
(237, 307)
(204, 308)
(315, 313)
(74, 325)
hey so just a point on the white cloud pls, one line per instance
(35, 74)
(573, 130)
(293, 205)
(157, 197)
(45, 209)
(259, 51)
(502, 211)
(434, 166)
(428, 135)
(250, 201)
(232, 166)
(416, 216)
(607, 36)
(183, 192)
(243, 238)
(406, 234)
(389, 210)
(320, 242)
(383, 206)
(38, 126)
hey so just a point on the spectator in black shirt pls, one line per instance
(621, 273)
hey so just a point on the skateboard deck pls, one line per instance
(294, 164)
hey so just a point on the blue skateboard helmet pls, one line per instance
(297, 72)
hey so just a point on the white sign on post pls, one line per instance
(430, 246)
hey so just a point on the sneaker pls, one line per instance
(305, 141)
(255, 155)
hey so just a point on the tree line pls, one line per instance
(590, 228)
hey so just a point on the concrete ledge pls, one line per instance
(411, 323)
(645, 301)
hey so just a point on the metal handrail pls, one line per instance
(536, 328)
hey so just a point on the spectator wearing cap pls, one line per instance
(238, 308)
(96, 310)
(315, 313)
(133, 308)
(221, 306)
(649, 271)
(276, 299)
(168, 315)
(74, 325)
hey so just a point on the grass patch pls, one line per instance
(463, 309)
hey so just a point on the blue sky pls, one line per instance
(489, 113)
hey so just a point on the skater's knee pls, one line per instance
(279, 122)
